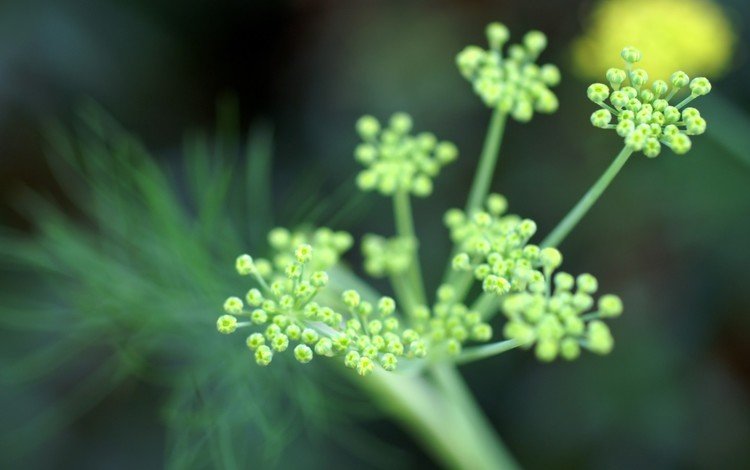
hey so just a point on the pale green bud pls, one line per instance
(497, 35)
(368, 127)
(263, 355)
(389, 361)
(679, 79)
(599, 338)
(233, 305)
(303, 353)
(259, 316)
(226, 324)
(610, 306)
(550, 258)
(616, 77)
(255, 340)
(700, 86)
(303, 253)
(351, 298)
(598, 92)
(280, 342)
(601, 118)
(631, 55)
(535, 42)
(365, 366)
(245, 265)
(587, 283)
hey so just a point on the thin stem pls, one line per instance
(480, 187)
(487, 350)
(576, 214)
(686, 101)
(486, 168)
(405, 228)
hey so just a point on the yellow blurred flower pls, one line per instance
(691, 35)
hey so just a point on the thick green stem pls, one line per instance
(444, 418)
(405, 228)
(487, 161)
(576, 214)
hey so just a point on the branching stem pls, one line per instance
(592, 195)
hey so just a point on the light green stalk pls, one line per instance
(487, 161)
(442, 416)
(592, 195)
(405, 228)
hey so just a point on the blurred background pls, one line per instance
(112, 274)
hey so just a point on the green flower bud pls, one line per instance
(351, 298)
(610, 306)
(619, 99)
(481, 332)
(587, 283)
(550, 75)
(368, 127)
(616, 77)
(570, 349)
(303, 253)
(401, 123)
(351, 359)
(496, 285)
(680, 144)
(365, 366)
(263, 355)
(259, 316)
(695, 126)
(280, 342)
(254, 297)
(652, 148)
(255, 340)
(546, 350)
(700, 86)
(497, 35)
(601, 118)
(366, 154)
(564, 281)
(631, 55)
(245, 265)
(233, 305)
(309, 336)
(226, 324)
(660, 88)
(550, 258)
(598, 92)
(535, 42)
(388, 361)
(679, 79)
(599, 338)
(324, 347)
(303, 353)
(279, 238)
(638, 78)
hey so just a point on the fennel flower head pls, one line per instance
(691, 35)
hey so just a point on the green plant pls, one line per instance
(156, 263)
(328, 311)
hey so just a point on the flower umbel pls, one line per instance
(397, 161)
(642, 115)
(512, 83)
(287, 311)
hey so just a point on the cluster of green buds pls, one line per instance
(495, 248)
(512, 83)
(561, 322)
(387, 256)
(643, 115)
(289, 313)
(396, 161)
(328, 248)
(450, 323)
